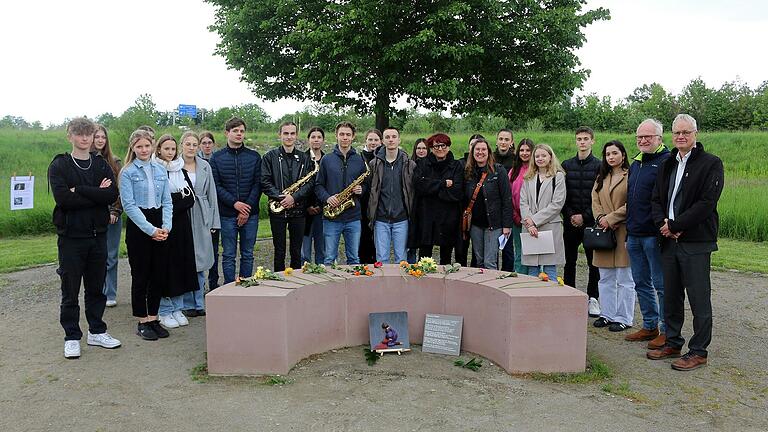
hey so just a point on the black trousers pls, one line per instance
(295, 228)
(82, 259)
(508, 256)
(445, 253)
(572, 238)
(686, 269)
(213, 273)
(366, 252)
(145, 257)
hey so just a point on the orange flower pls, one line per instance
(365, 267)
(368, 273)
(543, 276)
(357, 273)
(403, 263)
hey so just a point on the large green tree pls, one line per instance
(482, 56)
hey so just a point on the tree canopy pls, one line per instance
(487, 56)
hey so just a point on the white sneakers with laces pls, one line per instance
(111, 303)
(180, 318)
(72, 349)
(594, 307)
(103, 340)
(168, 321)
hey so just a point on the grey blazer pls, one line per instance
(205, 214)
(545, 213)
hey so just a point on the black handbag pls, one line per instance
(596, 238)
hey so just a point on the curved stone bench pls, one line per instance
(520, 323)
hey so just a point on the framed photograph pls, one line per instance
(389, 331)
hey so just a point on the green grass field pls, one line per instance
(743, 206)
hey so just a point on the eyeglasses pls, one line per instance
(685, 133)
(439, 146)
(645, 137)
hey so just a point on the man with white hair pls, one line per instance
(684, 207)
(642, 234)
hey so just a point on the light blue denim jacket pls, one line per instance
(133, 194)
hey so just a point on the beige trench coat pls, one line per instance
(546, 215)
(612, 202)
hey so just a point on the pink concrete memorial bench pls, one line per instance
(520, 323)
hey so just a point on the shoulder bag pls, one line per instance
(466, 217)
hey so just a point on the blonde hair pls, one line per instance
(188, 134)
(551, 170)
(135, 137)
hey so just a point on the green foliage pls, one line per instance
(474, 364)
(471, 55)
(276, 380)
(371, 357)
(199, 373)
(596, 371)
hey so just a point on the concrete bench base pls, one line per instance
(522, 324)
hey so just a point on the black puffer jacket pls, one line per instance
(277, 174)
(580, 178)
(237, 174)
(84, 212)
(496, 194)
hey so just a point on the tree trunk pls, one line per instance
(382, 110)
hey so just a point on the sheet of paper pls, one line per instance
(502, 241)
(544, 244)
(22, 192)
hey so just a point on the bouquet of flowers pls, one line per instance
(261, 273)
(424, 266)
(357, 269)
(309, 267)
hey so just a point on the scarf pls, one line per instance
(175, 177)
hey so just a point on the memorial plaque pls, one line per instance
(442, 334)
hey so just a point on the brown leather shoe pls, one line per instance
(657, 342)
(665, 352)
(642, 335)
(688, 362)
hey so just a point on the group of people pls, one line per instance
(181, 200)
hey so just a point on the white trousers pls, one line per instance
(617, 295)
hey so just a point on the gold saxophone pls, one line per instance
(345, 197)
(275, 207)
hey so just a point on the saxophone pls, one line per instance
(275, 207)
(345, 198)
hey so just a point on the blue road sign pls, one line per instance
(187, 110)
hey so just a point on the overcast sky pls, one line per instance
(69, 58)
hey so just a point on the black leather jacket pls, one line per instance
(277, 174)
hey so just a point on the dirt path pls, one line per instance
(147, 385)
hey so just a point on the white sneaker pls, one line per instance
(168, 321)
(111, 303)
(72, 349)
(103, 340)
(594, 307)
(180, 318)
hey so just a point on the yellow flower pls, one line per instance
(560, 281)
(288, 271)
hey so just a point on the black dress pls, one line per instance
(181, 270)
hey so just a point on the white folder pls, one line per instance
(544, 244)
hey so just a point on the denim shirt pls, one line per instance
(133, 194)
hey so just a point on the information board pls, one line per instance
(442, 334)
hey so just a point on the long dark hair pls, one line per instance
(419, 141)
(106, 152)
(518, 164)
(605, 169)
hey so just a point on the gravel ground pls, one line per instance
(150, 385)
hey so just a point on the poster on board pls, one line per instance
(22, 192)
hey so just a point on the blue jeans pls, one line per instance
(113, 251)
(316, 236)
(229, 234)
(169, 305)
(550, 270)
(645, 260)
(333, 231)
(394, 234)
(196, 299)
